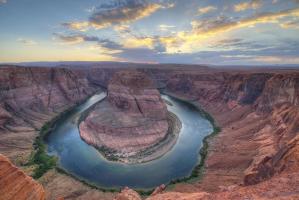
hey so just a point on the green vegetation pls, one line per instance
(41, 161)
(40, 158)
(91, 185)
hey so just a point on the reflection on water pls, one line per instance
(85, 162)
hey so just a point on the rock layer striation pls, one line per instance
(16, 185)
(132, 119)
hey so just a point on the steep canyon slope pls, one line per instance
(258, 113)
(29, 97)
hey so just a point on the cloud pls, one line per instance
(80, 26)
(136, 42)
(207, 9)
(129, 12)
(290, 24)
(121, 12)
(204, 31)
(205, 42)
(123, 28)
(238, 44)
(253, 4)
(235, 43)
(91, 9)
(3, 1)
(150, 42)
(80, 38)
(222, 24)
(164, 27)
(27, 42)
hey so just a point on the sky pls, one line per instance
(230, 32)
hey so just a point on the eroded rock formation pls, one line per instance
(132, 119)
(29, 97)
(16, 185)
(258, 113)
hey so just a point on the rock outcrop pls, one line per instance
(277, 188)
(258, 114)
(128, 194)
(16, 185)
(29, 97)
(131, 120)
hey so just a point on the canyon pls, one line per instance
(255, 156)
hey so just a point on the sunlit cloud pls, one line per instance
(204, 31)
(139, 42)
(222, 24)
(116, 14)
(253, 4)
(207, 9)
(122, 27)
(80, 26)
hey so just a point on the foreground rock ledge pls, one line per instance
(131, 120)
(15, 184)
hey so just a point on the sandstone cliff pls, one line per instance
(258, 113)
(31, 96)
(15, 185)
(132, 119)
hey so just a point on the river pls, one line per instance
(85, 162)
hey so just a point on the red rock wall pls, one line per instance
(31, 96)
(15, 185)
(265, 103)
